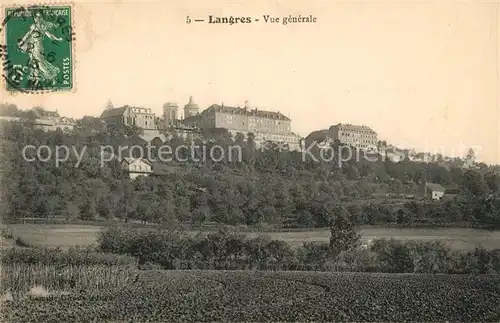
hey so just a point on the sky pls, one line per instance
(423, 75)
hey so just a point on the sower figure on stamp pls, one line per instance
(41, 70)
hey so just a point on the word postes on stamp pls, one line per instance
(37, 50)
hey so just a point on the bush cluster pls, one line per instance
(229, 251)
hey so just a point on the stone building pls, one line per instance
(265, 125)
(361, 137)
(54, 123)
(170, 113)
(142, 118)
(49, 121)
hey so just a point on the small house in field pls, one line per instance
(432, 191)
(137, 167)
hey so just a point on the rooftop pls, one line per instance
(318, 136)
(171, 105)
(113, 112)
(151, 135)
(348, 126)
(191, 103)
(435, 187)
(131, 160)
(246, 111)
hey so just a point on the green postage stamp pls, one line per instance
(38, 48)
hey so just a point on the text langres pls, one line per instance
(228, 20)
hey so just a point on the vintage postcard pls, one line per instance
(249, 161)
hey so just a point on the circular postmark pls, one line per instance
(37, 49)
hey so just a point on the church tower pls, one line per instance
(191, 109)
(109, 105)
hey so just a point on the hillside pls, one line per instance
(270, 187)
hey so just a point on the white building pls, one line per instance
(136, 167)
(432, 191)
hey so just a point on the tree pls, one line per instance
(71, 211)
(314, 253)
(401, 261)
(201, 211)
(9, 110)
(394, 255)
(395, 186)
(344, 235)
(89, 211)
(473, 183)
(90, 125)
(493, 181)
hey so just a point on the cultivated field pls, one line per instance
(71, 235)
(249, 296)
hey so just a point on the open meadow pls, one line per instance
(63, 235)
(57, 235)
(459, 238)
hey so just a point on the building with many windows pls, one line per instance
(264, 125)
(142, 118)
(361, 137)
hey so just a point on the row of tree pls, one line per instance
(225, 250)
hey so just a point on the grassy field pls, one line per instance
(72, 235)
(250, 296)
(55, 235)
(455, 238)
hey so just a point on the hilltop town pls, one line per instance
(264, 127)
(191, 123)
